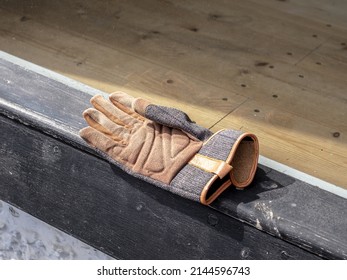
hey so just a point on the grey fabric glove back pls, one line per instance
(178, 119)
(163, 146)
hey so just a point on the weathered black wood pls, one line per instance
(116, 213)
(46, 170)
(292, 210)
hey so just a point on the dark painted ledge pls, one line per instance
(49, 172)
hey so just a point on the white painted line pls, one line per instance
(303, 176)
(92, 91)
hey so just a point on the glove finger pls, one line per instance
(167, 116)
(100, 122)
(100, 141)
(112, 112)
(127, 103)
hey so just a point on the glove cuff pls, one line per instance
(227, 157)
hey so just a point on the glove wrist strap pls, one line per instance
(215, 166)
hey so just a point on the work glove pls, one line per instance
(164, 147)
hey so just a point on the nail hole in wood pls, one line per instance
(225, 99)
(300, 76)
(24, 18)
(169, 81)
(256, 110)
(243, 85)
(289, 53)
(336, 134)
(244, 71)
(274, 95)
(194, 29)
(261, 63)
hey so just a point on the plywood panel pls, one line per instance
(210, 59)
(292, 140)
(115, 70)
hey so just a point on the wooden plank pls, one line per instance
(285, 208)
(96, 204)
(118, 71)
(233, 22)
(316, 82)
(306, 144)
(330, 14)
(221, 53)
(116, 213)
(276, 26)
(201, 100)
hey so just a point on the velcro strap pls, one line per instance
(215, 166)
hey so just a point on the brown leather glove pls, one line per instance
(163, 146)
(144, 146)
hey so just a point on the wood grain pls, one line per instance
(287, 58)
(278, 130)
(49, 171)
(117, 213)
